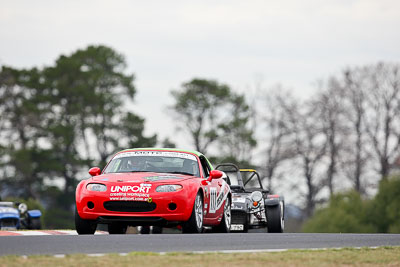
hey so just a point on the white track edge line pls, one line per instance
(210, 252)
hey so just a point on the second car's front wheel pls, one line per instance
(35, 223)
(195, 223)
(117, 229)
(275, 218)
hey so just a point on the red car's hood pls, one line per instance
(141, 177)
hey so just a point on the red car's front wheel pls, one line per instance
(195, 223)
(225, 225)
(84, 227)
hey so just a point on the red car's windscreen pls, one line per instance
(154, 161)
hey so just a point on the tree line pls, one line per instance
(349, 212)
(58, 120)
(345, 136)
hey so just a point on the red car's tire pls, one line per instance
(84, 227)
(225, 225)
(195, 223)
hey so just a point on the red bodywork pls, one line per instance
(139, 185)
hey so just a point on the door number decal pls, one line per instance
(213, 200)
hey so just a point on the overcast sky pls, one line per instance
(169, 42)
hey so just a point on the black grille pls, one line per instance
(239, 217)
(129, 206)
(8, 222)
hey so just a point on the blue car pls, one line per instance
(15, 216)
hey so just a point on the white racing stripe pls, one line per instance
(220, 198)
(274, 250)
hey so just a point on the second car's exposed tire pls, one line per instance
(275, 219)
(225, 225)
(35, 224)
(117, 228)
(84, 227)
(144, 230)
(195, 223)
(157, 230)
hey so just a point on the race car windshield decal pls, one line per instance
(156, 154)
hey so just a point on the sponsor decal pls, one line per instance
(169, 154)
(130, 192)
(142, 188)
(130, 198)
(150, 199)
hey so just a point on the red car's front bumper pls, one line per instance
(167, 207)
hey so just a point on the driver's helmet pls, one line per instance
(136, 163)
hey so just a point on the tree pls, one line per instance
(329, 109)
(89, 90)
(131, 132)
(345, 213)
(310, 146)
(355, 108)
(236, 134)
(350, 213)
(278, 133)
(168, 143)
(212, 114)
(382, 121)
(198, 108)
(21, 129)
(384, 210)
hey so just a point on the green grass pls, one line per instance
(384, 256)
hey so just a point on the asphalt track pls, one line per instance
(61, 244)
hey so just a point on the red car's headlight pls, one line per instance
(96, 187)
(169, 188)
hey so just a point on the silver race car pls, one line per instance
(252, 205)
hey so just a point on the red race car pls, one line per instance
(154, 186)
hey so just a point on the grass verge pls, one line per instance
(383, 256)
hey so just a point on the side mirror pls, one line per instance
(94, 171)
(215, 174)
